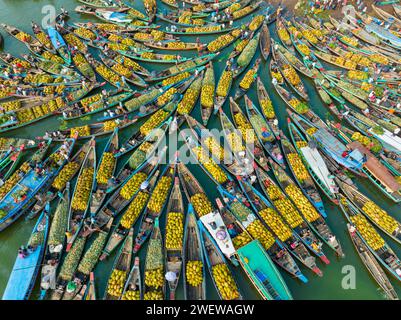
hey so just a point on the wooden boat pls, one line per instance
(133, 286)
(154, 57)
(20, 35)
(55, 244)
(130, 216)
(395, 21)
(283, 35)
(215, 261)
(120, 270)
(222, 93)
(171, 3)
(300, 227)
(172, 19)
(198, 31)
(188, 66)
(116, 203)
(53, 68)
(286, 241)
(99, 191)
(22, 195)
(155, 263)
(173, 45)
(262, 273)
(314, 220)
(193, 252)
(292, 59)
(123, 71)
(112, 6)
(9, 164)
(150, 216)
(264, 41)
(375, 243)
(127, 62)
(77, 216)
(174, 255)
(59, 44)
(109, 75)
(371, 264)
(83, 66)
(376, 215)
(266, 107)
(243, 86)
(90, 293)
(253, 146)
(208, 93)
(263, 132)
(42, 37)
(326, 97)
(26, 268)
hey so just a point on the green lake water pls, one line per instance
(21, 12)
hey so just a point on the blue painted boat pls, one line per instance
(23, 276)
(262, 272)
(22, 196)
(59, 44)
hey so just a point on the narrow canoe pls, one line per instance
(133, 287)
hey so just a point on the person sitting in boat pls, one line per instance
(30, 249)
(345, 154)
(22, 252)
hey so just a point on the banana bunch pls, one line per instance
(241, 240)
(276, 223)
(116, 283)
(65, 175)
(215, 148)
(225, 282)
(132, 186)
(380, 217)
(142, 36)
(258, 231)
(289, 212)
(129, 63)
(25, 115)
(194, 272)
(302, 203)
(107, 27)
(153, 295)
(248, 79)
(174, 230)
(203, 29)
(83, 131)
(298, 167)
(369, 234)
(131, 295)
(160, 194)
(267, 108)
(202, 204)
(82, 190)
(190, 97)
(379, 58)
(134, 210)
(176, 45)
(169, 57)
(153, 122)
(85, 33)
(224, 83)
(256, 22)
(242, 12)
(110, 125)
(121, 47)
(175, 79)
(106, 168)
(298, 106)
(158, 35)
(185, 17)
(154, 278)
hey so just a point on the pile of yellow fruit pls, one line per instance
(277, 75)
(122, 70)
(302, 144)
(234, 7)
(235, 142)
(174, 230)
(207, 29)
(38, 78)
(160, 194)
(52, 57)
(83, 131)
(256, 22)
(214, 147)
(283, 34)
(148, 55)
(225, 83)
(43, 38)
(310, 36)
(276, 223)
(194, 273)
(291, 75)
(298, 106)
(369, 234)
(24, 37)
(106, 168)
(83, 190)
(110, 125)
(357, 58)
(176, 45)
(289, 212)
(154, 278)
(305, 207)
(65, 175)
(132, 186)
(243, 125)
(241, 45)
(134, 210)
(107, 27)
(131, 295)
(258, 231)
(379, 58)
(202, 204)
(190, 97)
(357, 75)
(136, 14)
(267, 108)
(223, 40)
(153, 295)
(380, 217)
(207, 92)
(242, 12)
(304, 49)
(154, 121)
(85, 33)
(116, 283)
(248, 79)
(175, 79)
(107, 74)
(73, 41)
(298, 167)
(14, 179)
(241, 240)
(225, 282)
(352, 41)
(11, 105)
